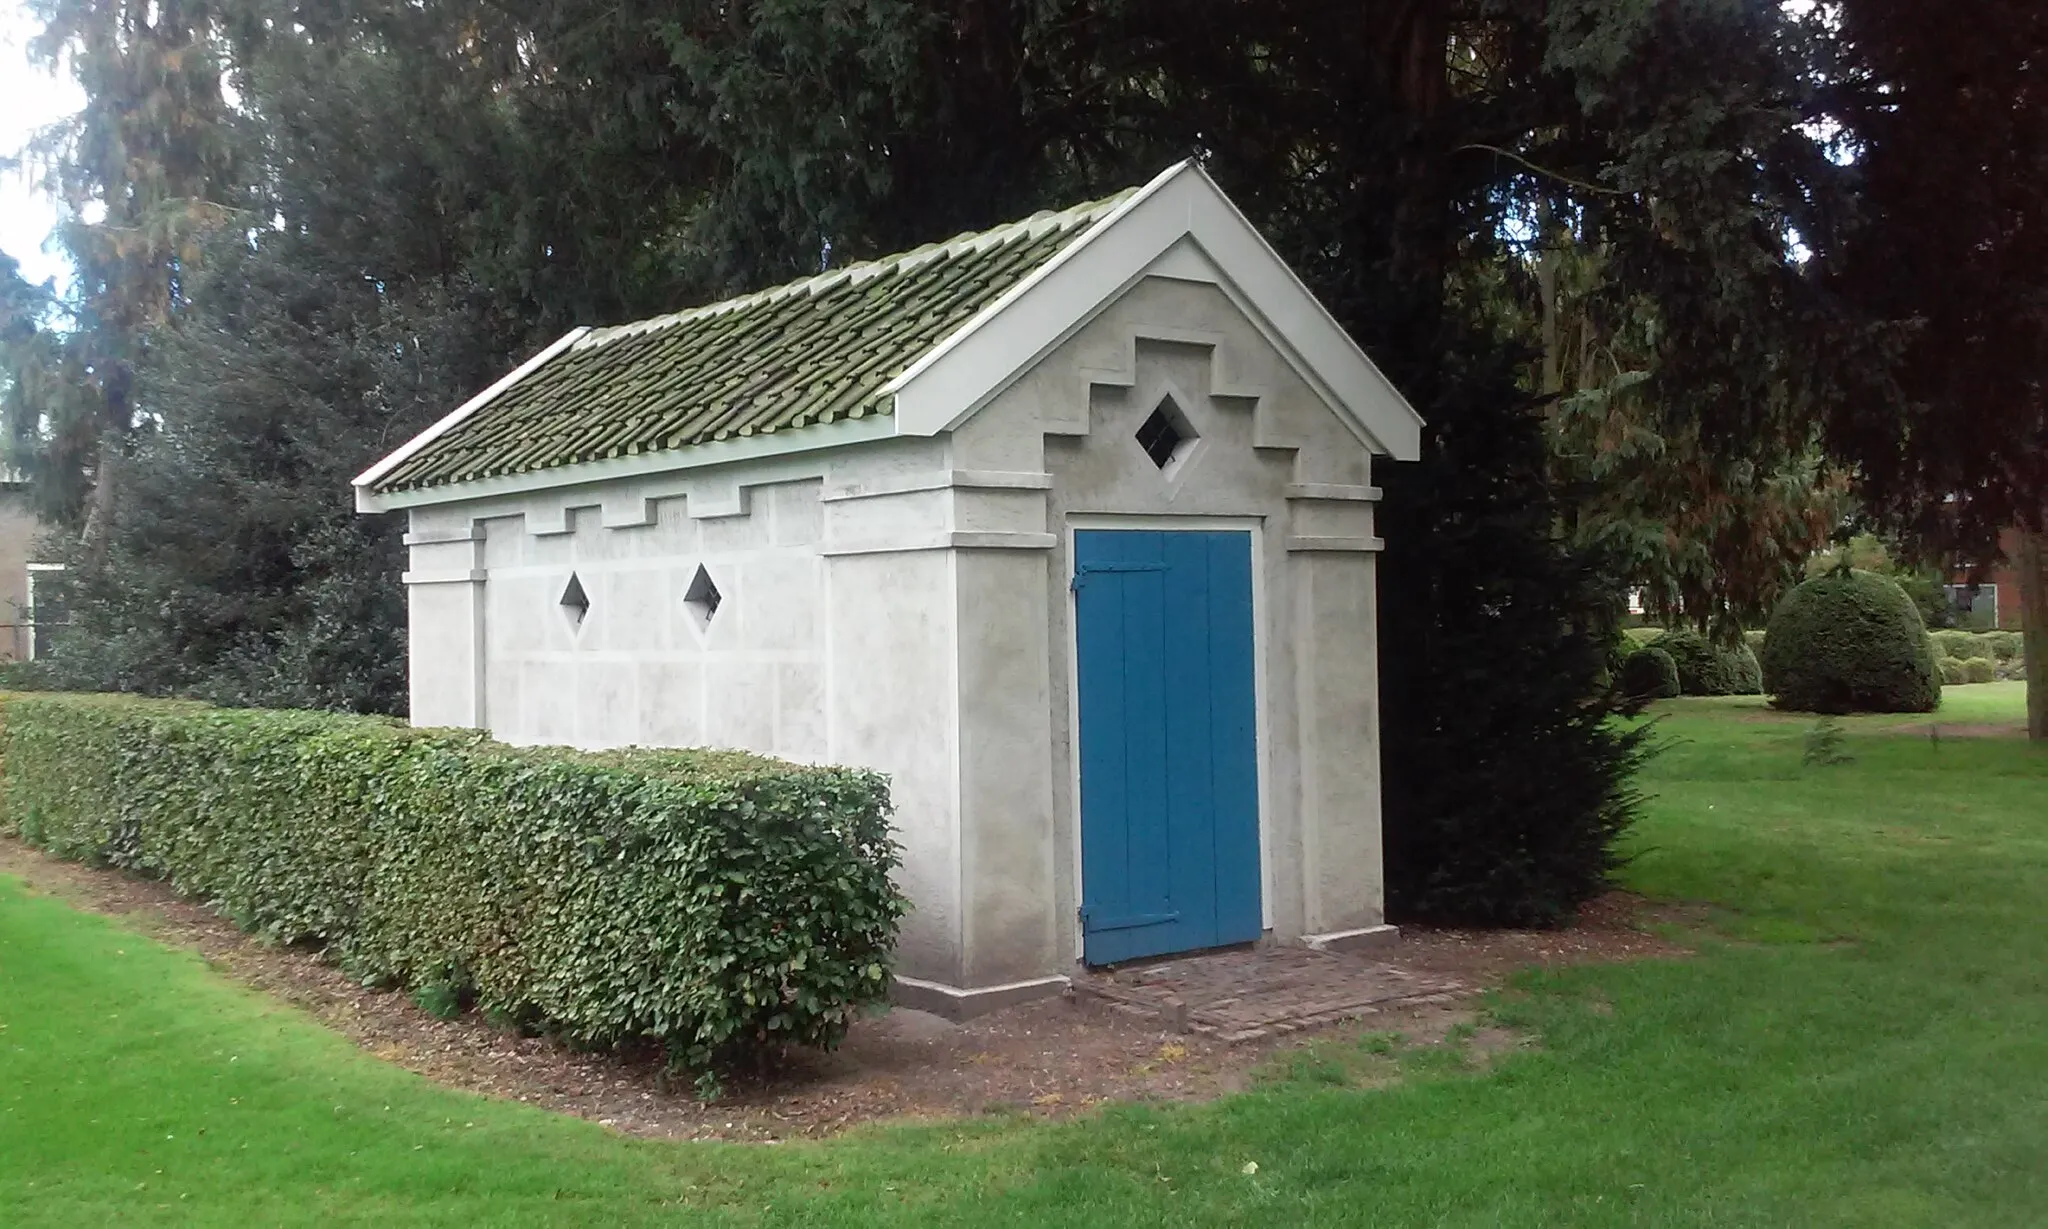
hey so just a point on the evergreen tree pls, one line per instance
(231, 571)
(389, 279)
(140, 174)
(1707, 538)
(1383, 148)
(1948, 122)
(434, 186)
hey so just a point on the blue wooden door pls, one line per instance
(1168, 745)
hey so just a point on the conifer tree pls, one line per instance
(407, 196)
(1946, 263)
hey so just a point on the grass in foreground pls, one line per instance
(1861, 1040)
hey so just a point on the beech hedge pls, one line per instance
(717, 903)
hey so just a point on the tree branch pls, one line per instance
(1564, 179)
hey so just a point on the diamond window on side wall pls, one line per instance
(575, 602)
(702, 597)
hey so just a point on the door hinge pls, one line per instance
(1085, 570)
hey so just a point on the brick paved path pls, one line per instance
(1249, 994)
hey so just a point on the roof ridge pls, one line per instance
(1044, 222)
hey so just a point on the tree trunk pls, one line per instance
(1547, 260)
(99, 514)
(2031, 561)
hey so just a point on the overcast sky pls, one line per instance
(29, 99)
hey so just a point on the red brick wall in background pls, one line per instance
(2002, 575)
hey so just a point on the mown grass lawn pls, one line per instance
(1862, 1039)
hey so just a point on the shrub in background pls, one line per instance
(1745, 674)
(1709, 669)
(1957, 643)
(1616, 653)
(1979, 670)
(1928, 595)
(1866, 552)
(713, 902)
(1850, 642)
(1952, 672)
(1649, 674)
(2002, 648)
(1754, 638)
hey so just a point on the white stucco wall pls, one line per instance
(1271, 458)
(643, 667)
(834, 640)
(902, 604)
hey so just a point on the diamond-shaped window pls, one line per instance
(702, 597)
(575, 602)
(1166, 435)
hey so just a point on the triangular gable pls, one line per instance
(963, 373)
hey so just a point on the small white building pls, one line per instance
(1066, 526)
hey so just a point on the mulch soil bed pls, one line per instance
(1050, 1058)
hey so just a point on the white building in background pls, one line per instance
(29, 614)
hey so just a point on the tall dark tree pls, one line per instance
(1705, 537)
(141, 173)
(1948, 257)
(536, 164)
(30, 353)
(1383, 147)
(362, 289)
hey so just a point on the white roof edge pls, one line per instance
(1400, 398)
(1024, 284)
(734, 450)
(975, 362)
(462, 412)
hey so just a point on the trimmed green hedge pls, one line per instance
(1850, 642)
(1952, 672)
(711, 901)
(1649, 674)
(2001, 647)
(1979, 670)
(1709, 669)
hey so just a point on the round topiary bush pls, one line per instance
(1649, 674)
(1709, 669)
(1952, 674)
(1979, 670)
(1850, 642)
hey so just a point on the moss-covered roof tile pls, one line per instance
(814, 351)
